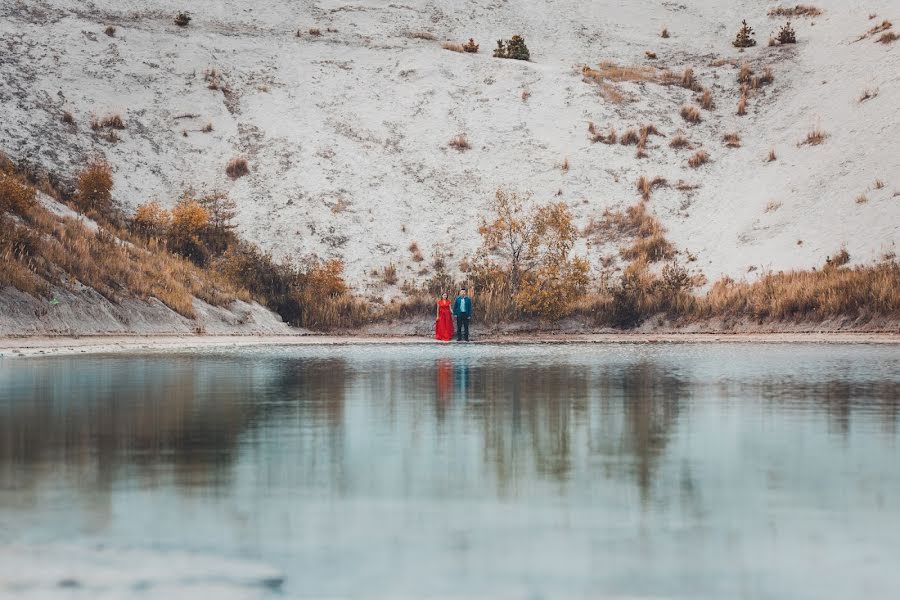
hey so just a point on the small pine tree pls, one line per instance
(470, 46)
(744, 37)
(513, 48)
(786, 34)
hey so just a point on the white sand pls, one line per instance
(54, 346)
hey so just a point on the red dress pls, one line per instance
(443, 326)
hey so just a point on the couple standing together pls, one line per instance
(462, 310)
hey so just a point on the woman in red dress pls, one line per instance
(443, 324)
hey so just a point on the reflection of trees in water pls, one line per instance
(95, 420)
(649, 400)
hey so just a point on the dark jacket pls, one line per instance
(456, 306)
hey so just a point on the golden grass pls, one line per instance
(742, 106)
(679, 141)
(799, 10)
(107, 122)
(732, 140)
(814, 138)
(596, 136)
(423, 35)
(700, 157)
(460, 142)
(646, 185)
(744, 73)
(706, 100)
(888, 37)
(237, 167)
(453, 46)
(690, 113)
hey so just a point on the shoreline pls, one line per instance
(24, 347)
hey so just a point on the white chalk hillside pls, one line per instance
(347, 132)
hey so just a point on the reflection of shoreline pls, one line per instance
(43, 346)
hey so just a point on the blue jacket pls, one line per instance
(456, 306)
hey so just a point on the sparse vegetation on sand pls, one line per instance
(513, 48)
(690, 113)
(237, 167)
(799, 10)
(732, 140)
(460, 142)
(698, 158)
(813, 138)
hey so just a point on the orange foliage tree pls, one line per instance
(94, 188)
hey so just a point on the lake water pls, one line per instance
(579, 471)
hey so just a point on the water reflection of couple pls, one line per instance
(462, 311)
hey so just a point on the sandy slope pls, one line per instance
(347, 132)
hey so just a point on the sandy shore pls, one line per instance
(47, 346)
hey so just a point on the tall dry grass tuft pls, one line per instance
(596, 136)
(453, 46)
(813, 138)
(742, 106)
(771, 157)
(679, 141)
(706, 100)
(700, 157)
(460, 142)
(732, 140)
(691, 114)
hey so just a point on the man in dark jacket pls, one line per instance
(462, 310)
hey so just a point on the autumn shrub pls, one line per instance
(94, 188)
(513, 48)
(189, 223)
(16, 197)
(237, 167)
(691, 114)
(152, 220)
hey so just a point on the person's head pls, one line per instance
(443, 295)
(463, 292)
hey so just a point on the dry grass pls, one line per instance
(700, 157)
(389, 274)
(416, 252)
(744, 73)
(813, 138)
(742, 106)
(771, 156)
(868, 94)
(861, 199)
(690, 113)
(453, 46)
(314, 31)
(237, 167)
(767, 77)
(706, 100)
(596, 136)
(634, 222)
(863, 291)
(460, 142)
(800, 10)
(772, 206)
(110, 31)
(630, 137)
(879, 184)
(679, 141)
(525, 95)
(113, 121)
(182, 19)
(610, 71)
(664, 33)
(888, 37)
(732, 140)
(646, 185)
(423, 35)
(565, 165)
(683, 186)
(650, 54)
(207, 128)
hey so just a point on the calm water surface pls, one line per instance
(603, 471)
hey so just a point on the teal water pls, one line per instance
(581, 471)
